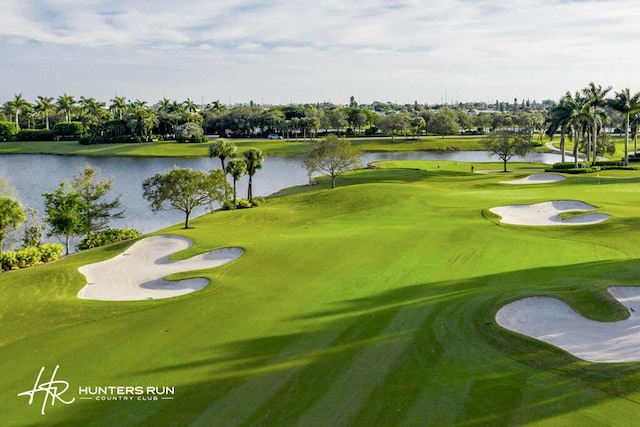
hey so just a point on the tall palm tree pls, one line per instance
(236, 168)
(118, 107)
(66, 103)
(254, 158)
(44, 105)
(635, 127)
(91, 110)
(559, 116)
(18, 105)
(222, 149)
(626, 104)
(578, 115)
(596, 98)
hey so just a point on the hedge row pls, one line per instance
(35, 135)
(108, 236)
(28, 257)
(121, 139)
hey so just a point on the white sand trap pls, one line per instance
(547, 213)
(138, 273)
(537, 178)
(554, 322)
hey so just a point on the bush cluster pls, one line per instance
(35, 135)
(30, 256)
(108, 236)
(243, 203)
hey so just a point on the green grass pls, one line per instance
(268, 146)
(369, 304)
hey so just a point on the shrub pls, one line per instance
(570, 165)
(575, 170)
(51, 251)
(108, 236)
(35, 135)
(8, 261)
(30, 256)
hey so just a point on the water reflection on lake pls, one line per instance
(32, 175)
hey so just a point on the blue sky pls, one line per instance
(283, 51)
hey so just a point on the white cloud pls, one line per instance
(311, 51)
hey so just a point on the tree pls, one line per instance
(95, 211)
(444, 122)
(333, 156)
(505, 144)
(417, 124)
(45, 106)
(7, 129)
(626, 104)
(222, 149)
(66, 103)
(184, 190)
(118, 107)
(11, 216)
(236, 168)
(17, 106)
(32, 229)
(253, 157)
(595, 98)
(190, 132)
(559, 116)
(64, 212)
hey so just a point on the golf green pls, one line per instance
(369, 304)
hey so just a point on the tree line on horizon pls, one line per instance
(581, 116)
(167, 118)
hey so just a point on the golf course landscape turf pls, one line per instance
(373, 303)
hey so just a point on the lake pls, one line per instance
(33, 175)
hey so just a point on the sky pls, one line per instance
(299, 51)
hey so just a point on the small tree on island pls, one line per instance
(506, 144)
(332, 156)
(185, 190)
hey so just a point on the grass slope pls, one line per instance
(369, 304)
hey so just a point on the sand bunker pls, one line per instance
(137, 274)
(547, 213)
(554, 322)
(537, 178)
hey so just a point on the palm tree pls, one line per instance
(596, 97)
(66, 103)
(17, 106)
(92, 110)
(578, 115)
(627, 105)
(559, 116)
(222, 149)
(635, 126)
(44, 105)
(236, 168)
(118, 107)
(254, 158)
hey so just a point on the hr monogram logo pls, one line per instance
(52, 389)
